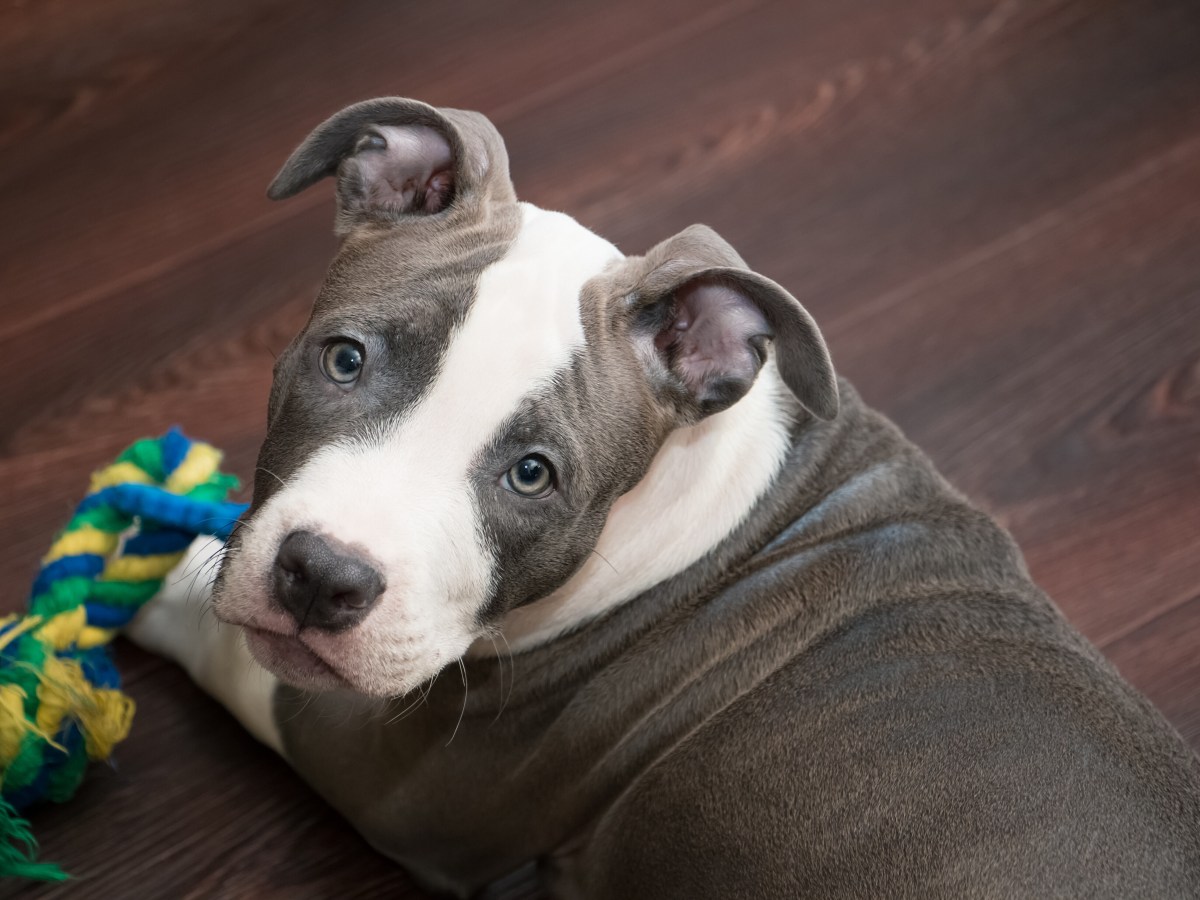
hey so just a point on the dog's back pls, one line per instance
(921, 721)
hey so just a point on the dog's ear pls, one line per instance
(702, 324)
(396, 159)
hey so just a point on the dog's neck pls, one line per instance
(701, 485)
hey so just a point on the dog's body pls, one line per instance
(797, 663)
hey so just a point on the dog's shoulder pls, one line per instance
(917, 704)
(921, 752)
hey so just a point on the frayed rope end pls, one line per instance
(18, 850)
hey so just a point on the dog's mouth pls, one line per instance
(291, 659)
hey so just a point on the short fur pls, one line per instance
(859, 694)
(856, 692)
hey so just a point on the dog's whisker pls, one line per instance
(239, 525)
(267, 471)
(492, 634)
(500, 665)
(512, 673)
(208, 611)
(412, 705)
(198, 563)
(606, 562)
(308, 699)
(423, 691)
(207, 586)
(199, 569)
(463, 671)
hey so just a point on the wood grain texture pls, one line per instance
(992, 207)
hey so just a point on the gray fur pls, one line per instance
(859, 693)
(699, 254)
(480, 162)
(400, 284)
(607, 414)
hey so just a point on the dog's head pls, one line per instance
(479, 383)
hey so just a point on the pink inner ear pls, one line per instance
(405, 169)
(715, 341)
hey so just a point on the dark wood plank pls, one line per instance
(1074, 418)
(1160, 657)
(194, 809)
(197, 139)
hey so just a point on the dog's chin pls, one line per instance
(289, 659)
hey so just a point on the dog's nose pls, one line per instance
(322, 584)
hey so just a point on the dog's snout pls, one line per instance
(322, 584)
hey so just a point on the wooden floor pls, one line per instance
(992, 207)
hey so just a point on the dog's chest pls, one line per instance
(469, 784)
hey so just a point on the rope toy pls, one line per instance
(60, 705)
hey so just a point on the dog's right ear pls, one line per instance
(701, 323)
(396, 159)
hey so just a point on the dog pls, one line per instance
(566, 557)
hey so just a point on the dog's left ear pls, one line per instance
(399, 160)
(702, 324)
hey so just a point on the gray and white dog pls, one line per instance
(759, 647)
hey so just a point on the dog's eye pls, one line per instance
(532, 476)
(342, 362)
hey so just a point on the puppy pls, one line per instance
(566, 556)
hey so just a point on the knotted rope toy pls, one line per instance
(60, 705)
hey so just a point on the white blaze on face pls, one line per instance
(405, 495)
